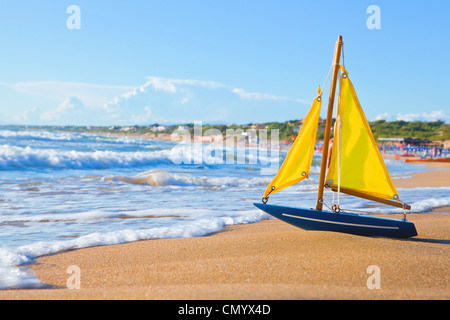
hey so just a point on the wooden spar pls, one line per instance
(326, 139)
(372, 198)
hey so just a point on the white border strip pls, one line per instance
(343, 223)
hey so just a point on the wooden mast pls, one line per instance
(326, 141)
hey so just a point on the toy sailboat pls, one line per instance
(355, 168)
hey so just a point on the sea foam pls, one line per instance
(164, 178)
(207, 221)
(14, 158)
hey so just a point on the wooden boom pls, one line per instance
(372, 198)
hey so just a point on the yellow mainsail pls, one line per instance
(354, 150)
(298, 161)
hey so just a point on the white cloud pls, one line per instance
(169, 84)
(26, 116)
(93, 95)
(69, 105)
(160, 84)
(171, 100)
(424, 116)
(113, 104)
(435, 115)
(66, 102)
(185, 89)
(385, 116)
(142, 118)
(264, 96)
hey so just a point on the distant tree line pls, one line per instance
(435, 130)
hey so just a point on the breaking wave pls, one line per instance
(40, 135)
(164, 178)
(13, 158)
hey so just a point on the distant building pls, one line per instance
(321, 121)
(405, 141)
(159, 128)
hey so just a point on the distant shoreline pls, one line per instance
(435, 131)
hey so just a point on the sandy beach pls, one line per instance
(206, 156)
(438, 176)
(265, 260)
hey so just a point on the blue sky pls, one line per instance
(177, 61)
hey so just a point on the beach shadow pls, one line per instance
(427, 240)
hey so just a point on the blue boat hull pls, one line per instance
(362, 225)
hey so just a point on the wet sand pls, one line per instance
(265, 260)
(438, 176)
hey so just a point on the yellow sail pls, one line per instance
(298, 161)
(354, 150)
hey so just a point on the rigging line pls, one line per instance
(323, 196)
(365, 212)
(333, 198)
(326, 80)
(327, 206)
(337, 146)
(339, 141)
(343, 56)
(360, 211)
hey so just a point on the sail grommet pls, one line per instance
(396, 197)
(266, 199)
(304, 174)
(330, 182)
(319, 98)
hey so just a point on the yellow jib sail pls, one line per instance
(298, 161)
(361, 166)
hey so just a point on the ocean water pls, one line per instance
(61, 191)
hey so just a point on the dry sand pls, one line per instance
(265, 260)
